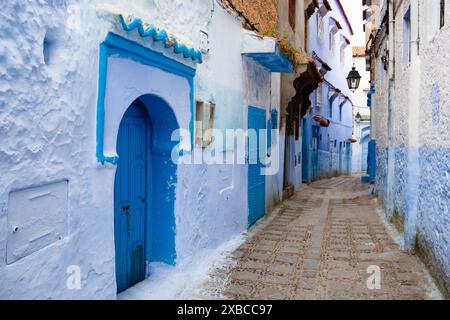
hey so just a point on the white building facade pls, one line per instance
(91, 94)
(410, 124)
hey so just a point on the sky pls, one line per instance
(353, 8)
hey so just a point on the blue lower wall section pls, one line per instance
(432, 219)
(324, 164)
(328, 164)
(381, 178)
(400, 181)
(434, 204)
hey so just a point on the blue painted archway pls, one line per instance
(164, 179)
(145, 186)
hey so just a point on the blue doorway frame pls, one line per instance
(160, 242)
(115, 45)
(305, 151)
(364, 153)
(256, 180)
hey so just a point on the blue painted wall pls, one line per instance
(340, 114)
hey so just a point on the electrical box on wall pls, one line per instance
(37, 217)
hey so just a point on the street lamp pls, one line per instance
(353, 79)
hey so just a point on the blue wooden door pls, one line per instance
(130, 197)
(256, 181)
(314, 159)
(364, 154)
(340, 157)
(305, 151)
(348, 158)
(315, 153)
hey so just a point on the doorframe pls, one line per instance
(262, 110)
(124, 48)
(119, 47)
(315, 134)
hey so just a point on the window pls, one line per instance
(340, 112)
(331, 42)
(320, 28)
(204, 122)
(292, 14)
(407, 37)
(331, 109)
(435, 10)
(342, 53)
(319, 95)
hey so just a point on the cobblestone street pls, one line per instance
(319, 245)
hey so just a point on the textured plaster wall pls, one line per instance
(420, 140)
(324, 164)
(262, 90)
(48, 134)
(48, 123)
(297, 37)
(434, 151)
(379, 128)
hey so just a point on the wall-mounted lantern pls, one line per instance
(353, 79)
(358, 118)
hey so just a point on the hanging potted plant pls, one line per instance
(322, 121)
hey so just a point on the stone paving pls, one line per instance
(319, 245)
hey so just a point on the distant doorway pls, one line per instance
(364, 153)
(315, 153)
(256, 180)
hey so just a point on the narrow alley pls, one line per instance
(322, 244)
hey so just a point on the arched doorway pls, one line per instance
(144, 190)
(130, 196)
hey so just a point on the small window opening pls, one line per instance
(47, 49)
(407, 37)
(204, 123)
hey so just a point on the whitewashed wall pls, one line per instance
(47, 132)
(413, 166)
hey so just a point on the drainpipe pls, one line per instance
(391, 43)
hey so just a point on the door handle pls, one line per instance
(125, 208)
